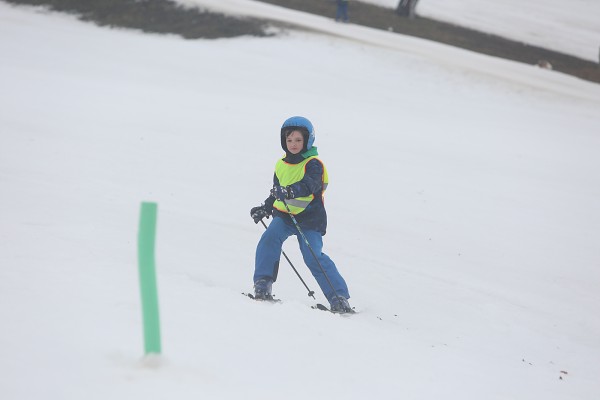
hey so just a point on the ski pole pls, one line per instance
(310, 292)
(309, 246)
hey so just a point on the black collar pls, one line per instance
(293, 158)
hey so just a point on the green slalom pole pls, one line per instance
(147, 272)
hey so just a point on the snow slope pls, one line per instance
(463, 210)
(570, 27)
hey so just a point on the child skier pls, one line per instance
(299, 183)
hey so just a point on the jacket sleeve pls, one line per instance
(270, 200)
(312, 182)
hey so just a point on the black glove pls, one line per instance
(260, 212)
(282, 192)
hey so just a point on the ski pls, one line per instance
(271, 300)
(323, 307)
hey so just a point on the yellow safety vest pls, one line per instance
(291, 173)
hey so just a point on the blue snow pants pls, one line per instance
(342, 11)
(268, 253)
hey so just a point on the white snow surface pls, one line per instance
(570, 27)
(464, 211)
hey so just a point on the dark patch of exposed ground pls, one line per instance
(166, 16)
(155, 16)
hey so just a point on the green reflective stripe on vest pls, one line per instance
(289, 174)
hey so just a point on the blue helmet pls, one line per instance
(304, 125)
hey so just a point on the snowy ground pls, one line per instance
(464, 214)
(570, 27)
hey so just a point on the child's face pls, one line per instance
(295, 142)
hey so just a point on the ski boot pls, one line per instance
(262, 289)
(340, 305)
